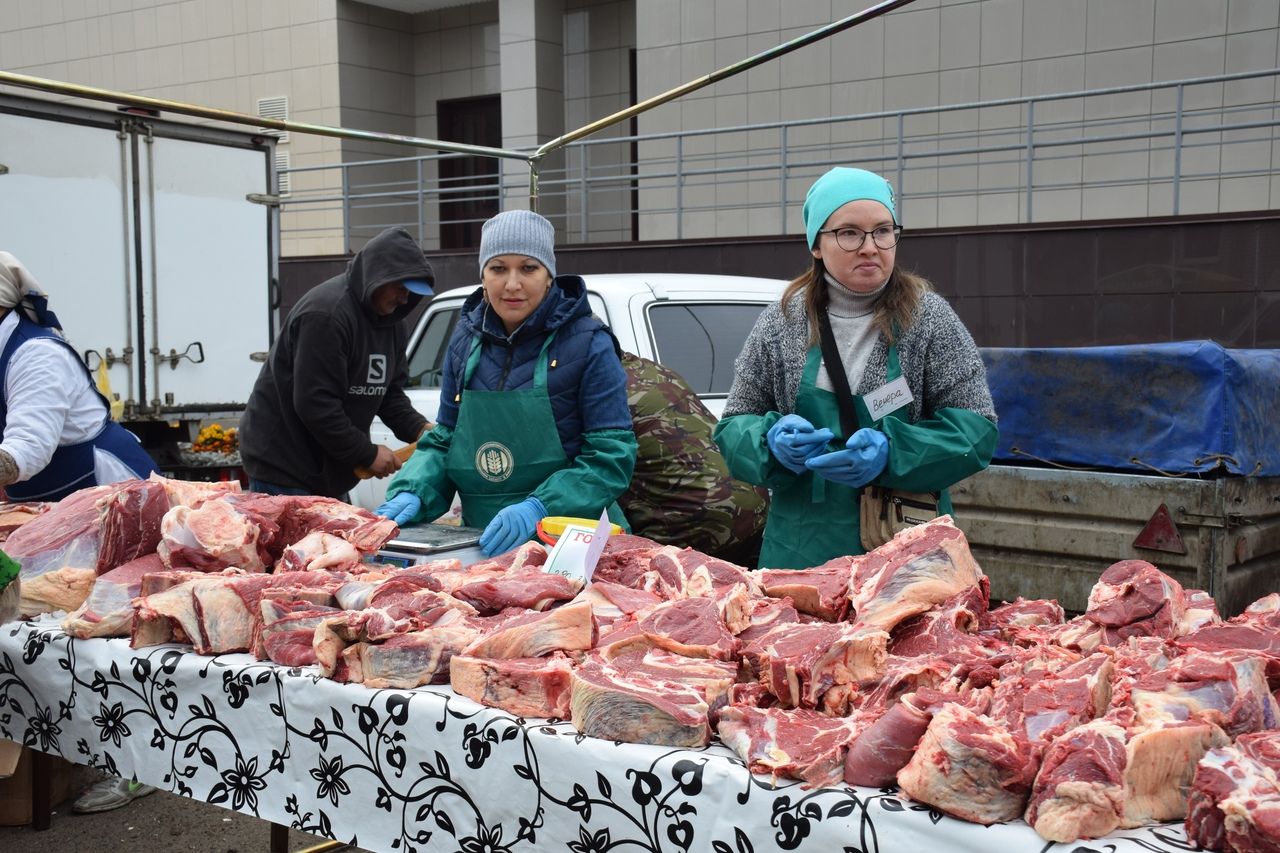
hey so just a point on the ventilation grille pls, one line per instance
(282, 177)
(276, 108)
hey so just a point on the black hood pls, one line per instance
(391, 256)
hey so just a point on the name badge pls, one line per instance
(888, 398)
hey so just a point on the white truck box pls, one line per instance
(154, 245)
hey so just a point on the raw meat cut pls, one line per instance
(108, 611)
(1234, 804)
(288, 627)
(58, 552)
(530, 635)
(918, 569)
(611, 703)
(822, 591)
(410, 659)
(530, 589)
(319, 551)
(215, 536)
(1079, 791)
(969, 766)
(131, 517)
(795, 743)
(690, 627)
(526, 687)
(798, 663)
(1135, 599)
(1159, 766)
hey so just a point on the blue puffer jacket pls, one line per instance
(587, 386)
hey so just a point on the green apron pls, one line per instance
(811, 519)
(505, 444)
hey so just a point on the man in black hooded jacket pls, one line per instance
(339, 362)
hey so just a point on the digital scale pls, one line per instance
(422, 543)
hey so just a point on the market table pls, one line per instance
(427, 770)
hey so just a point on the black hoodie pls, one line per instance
(335, 366)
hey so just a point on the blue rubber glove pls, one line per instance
(793, 440)
(512, 526)
(401, 508)
(864, 457)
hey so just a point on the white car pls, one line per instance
(694, 324)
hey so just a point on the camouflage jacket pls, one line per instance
(681, 492)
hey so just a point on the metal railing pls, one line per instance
(678, 184)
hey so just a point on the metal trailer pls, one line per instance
(1049, 533)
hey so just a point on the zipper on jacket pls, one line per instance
(506, 368)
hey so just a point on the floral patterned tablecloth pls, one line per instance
(427, 770)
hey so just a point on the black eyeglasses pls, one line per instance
(851, 239)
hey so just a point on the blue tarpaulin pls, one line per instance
(1177, 408)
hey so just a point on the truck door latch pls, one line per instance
(174, 356)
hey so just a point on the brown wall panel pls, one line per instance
(1069, 284)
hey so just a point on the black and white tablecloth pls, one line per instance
(427, 770)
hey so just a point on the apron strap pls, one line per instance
(539, 370)
(853, 411)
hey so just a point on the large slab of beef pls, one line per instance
(793, 743)
(217, 535)
(530, 589)
(613, 700)
(918, 569)
(1234, 803)
(822, 591)
(108, 611)
(1080, 789)
(131, 518)
(1227, 689)
(288, 628)
(970, 766)
(1041, 704)
(531, 634)
(1159, 766)
(58, 552)
(690, 627)
(800, 662)
(885, 744)
(406, 660)
(525, 687)
(695, 573)
(1135, 599)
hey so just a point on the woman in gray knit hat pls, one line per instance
(860, 379)
(533, 414)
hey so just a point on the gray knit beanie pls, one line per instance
(519, 232)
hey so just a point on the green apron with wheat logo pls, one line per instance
(505, 443)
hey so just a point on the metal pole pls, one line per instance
(1177, 153)
(582, 202)
(534, 162)
(346, 210)
(728, 71)
(679, 186)
(782, 182)
(901, 201)
(1031, 154)
(422, 225)
(76, 90)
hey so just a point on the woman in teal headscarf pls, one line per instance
(925, 419)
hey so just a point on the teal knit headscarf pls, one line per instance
(837, 188)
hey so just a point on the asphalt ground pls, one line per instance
(157, 823)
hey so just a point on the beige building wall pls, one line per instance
(938, 52)
(385, 66)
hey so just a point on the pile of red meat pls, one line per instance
(887, 668)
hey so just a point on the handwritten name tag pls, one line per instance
(888, 398)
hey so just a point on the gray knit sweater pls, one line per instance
(938, 356)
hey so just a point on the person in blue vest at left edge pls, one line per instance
(533, 405)
(58, 434)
